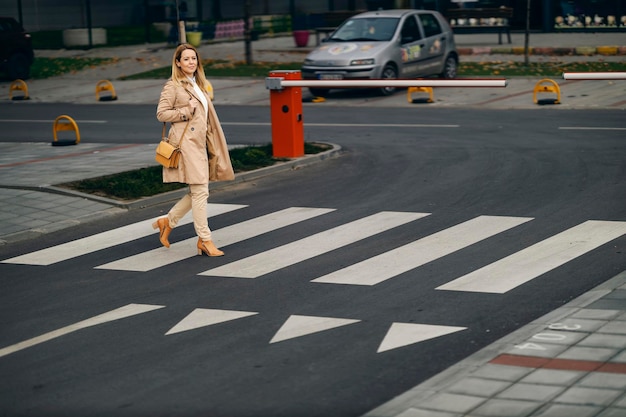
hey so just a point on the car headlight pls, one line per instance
(369, 61)
(308, 62)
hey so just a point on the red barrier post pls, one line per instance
(287, 123)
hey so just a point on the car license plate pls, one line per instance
(330, 76)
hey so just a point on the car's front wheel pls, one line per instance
(389, 73)
(449, 68)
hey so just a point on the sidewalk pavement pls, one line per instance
(571, 362)
(234, 90)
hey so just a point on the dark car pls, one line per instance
(16, 49)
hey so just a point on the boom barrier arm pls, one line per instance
(278, 83)
(286, 102)
(594, 75)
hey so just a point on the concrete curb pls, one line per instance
(177, 194)
(119, 206)
(239, 179)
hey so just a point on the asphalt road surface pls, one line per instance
(344, 283)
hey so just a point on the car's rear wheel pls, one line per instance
(389, 73)
(449, 68)
(18, 67)
(319, 92)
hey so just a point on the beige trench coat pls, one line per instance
(204, 137)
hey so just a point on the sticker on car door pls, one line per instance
(411, 53)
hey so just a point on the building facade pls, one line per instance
(550, 15)
(545, 15)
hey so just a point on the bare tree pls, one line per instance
(247, 35)
(216, 9)
(527, 32)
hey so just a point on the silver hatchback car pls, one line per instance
(385, 44)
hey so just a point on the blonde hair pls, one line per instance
(179, 77)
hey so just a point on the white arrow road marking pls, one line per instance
(318, 244)
(297, 326)
(106, 239)
(395, 262)
(178, 251)
(525, 265)
(119, 313)
(202, 317)
(403, 334)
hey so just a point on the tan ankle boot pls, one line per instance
(207, 247)
(163, 224)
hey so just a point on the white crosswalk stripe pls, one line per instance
(395, 262)
(318, 244)
(105, 240)
(499, 277)
(514, 270)
(160, 257)
(496, 278)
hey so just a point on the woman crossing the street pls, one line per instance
(195, 127)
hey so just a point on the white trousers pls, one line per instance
(196, 201)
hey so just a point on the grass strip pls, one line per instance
(534, 69)
(128, 185)
(52, 67)
(222, 68)
(145, 182)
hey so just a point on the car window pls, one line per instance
(410, 30)
(430, 24)
(370, 29)
(9, 26)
